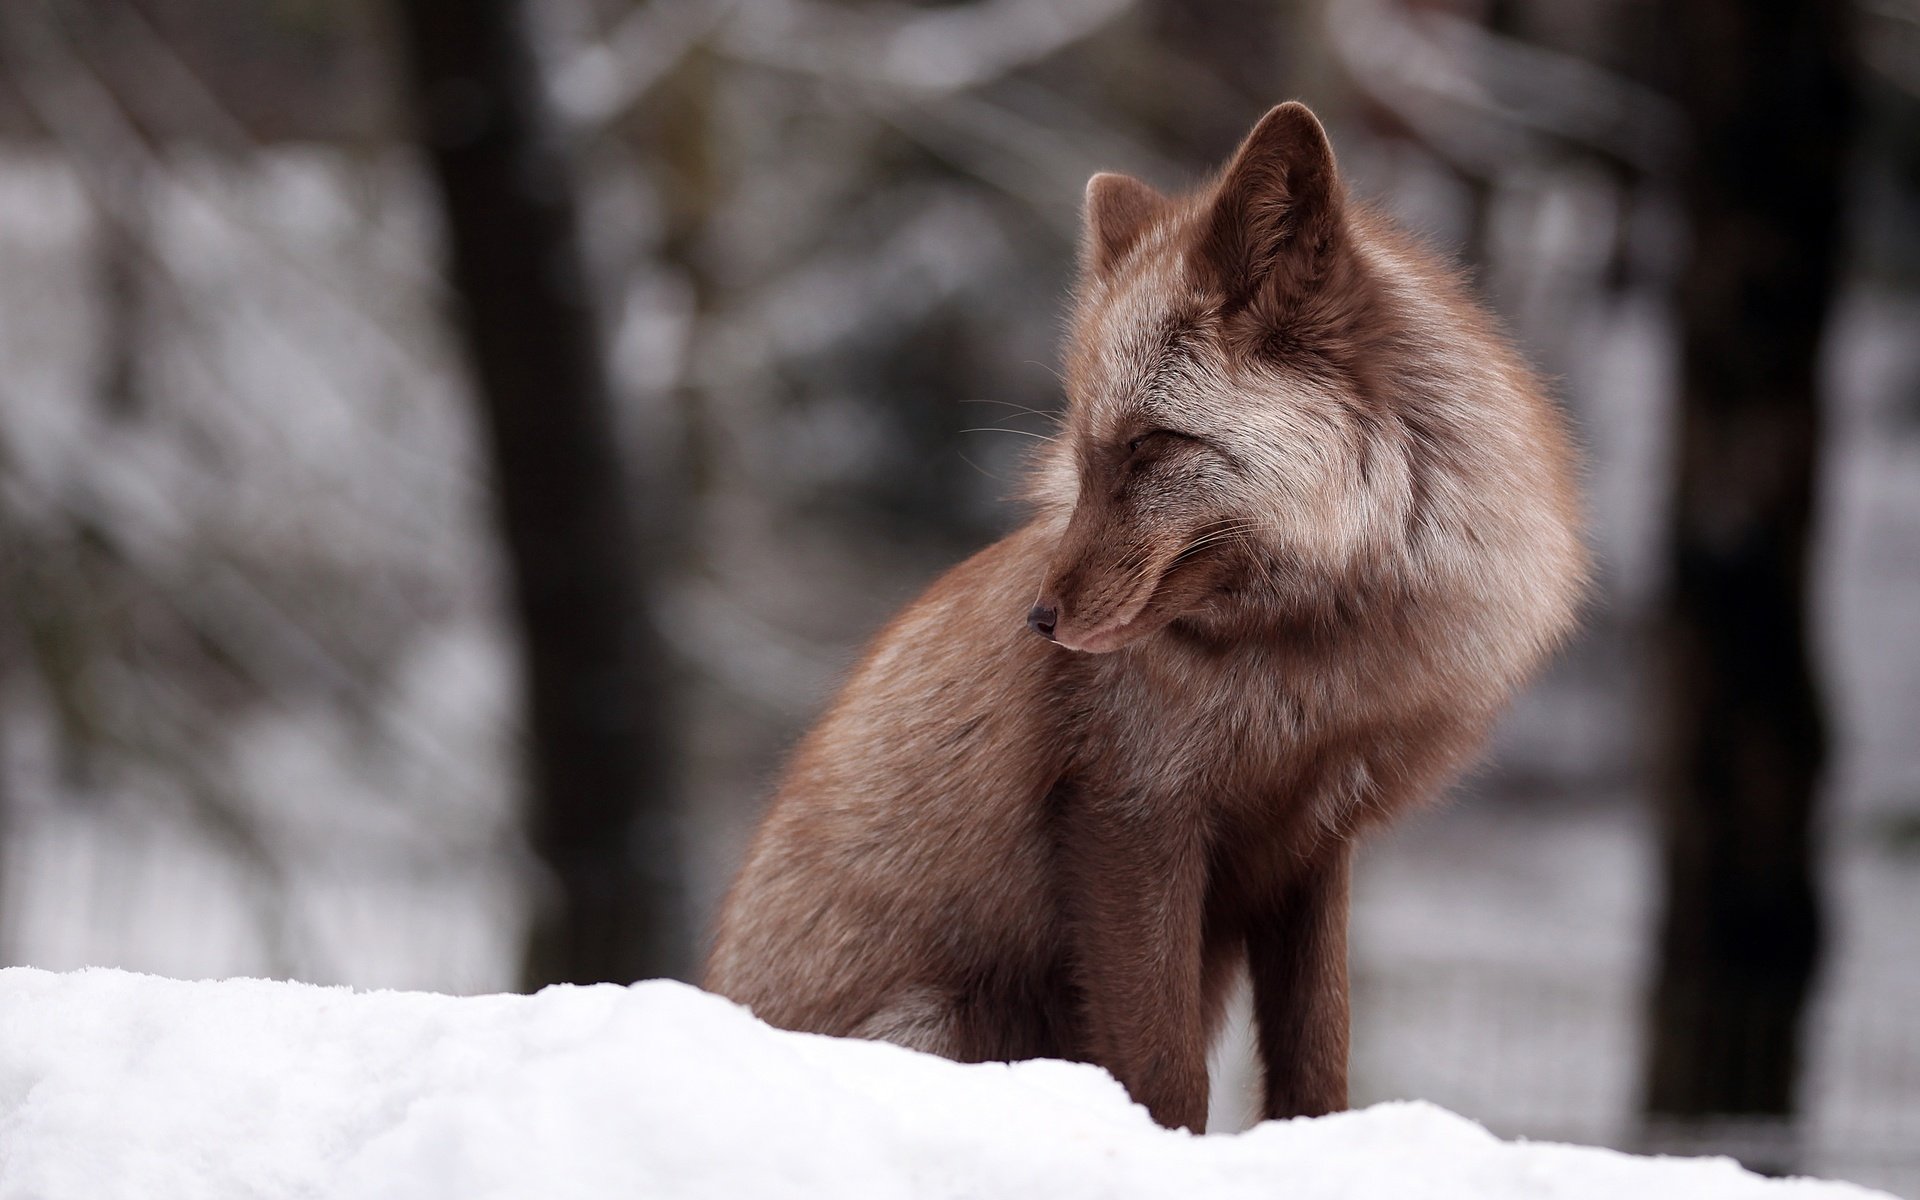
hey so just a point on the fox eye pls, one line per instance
(1133, 446)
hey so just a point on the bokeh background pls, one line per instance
(449, 448)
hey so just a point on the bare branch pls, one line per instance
(1482, 101)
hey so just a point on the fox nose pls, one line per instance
(1040, 619)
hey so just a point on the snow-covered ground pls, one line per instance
(114, 1084)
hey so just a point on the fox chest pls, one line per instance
(1232, 731)
(1255, 762)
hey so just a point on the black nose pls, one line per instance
(1041, 618)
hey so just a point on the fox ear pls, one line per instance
(1276, 209)
(1119, 209)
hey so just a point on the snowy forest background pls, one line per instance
(792, 274)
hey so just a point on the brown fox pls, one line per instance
(1308, 522)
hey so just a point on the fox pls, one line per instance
(1308, 522)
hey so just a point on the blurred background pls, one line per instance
(450, 448)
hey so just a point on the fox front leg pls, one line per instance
(1136, 880)
(1297, 956)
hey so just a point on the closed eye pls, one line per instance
(1161, 436)
(1155, 440)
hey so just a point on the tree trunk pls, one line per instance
(120, 255)
(601, 814)
(1765, 87)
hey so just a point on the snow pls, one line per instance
(115, 1084)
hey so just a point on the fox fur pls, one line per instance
(1307, 524)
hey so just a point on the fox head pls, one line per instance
(1217, 419)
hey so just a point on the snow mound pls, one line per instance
(113, 1084)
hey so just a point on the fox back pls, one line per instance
(1307, 523)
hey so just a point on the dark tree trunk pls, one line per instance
(601, 816)
(1765, 86)
(119, 267)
